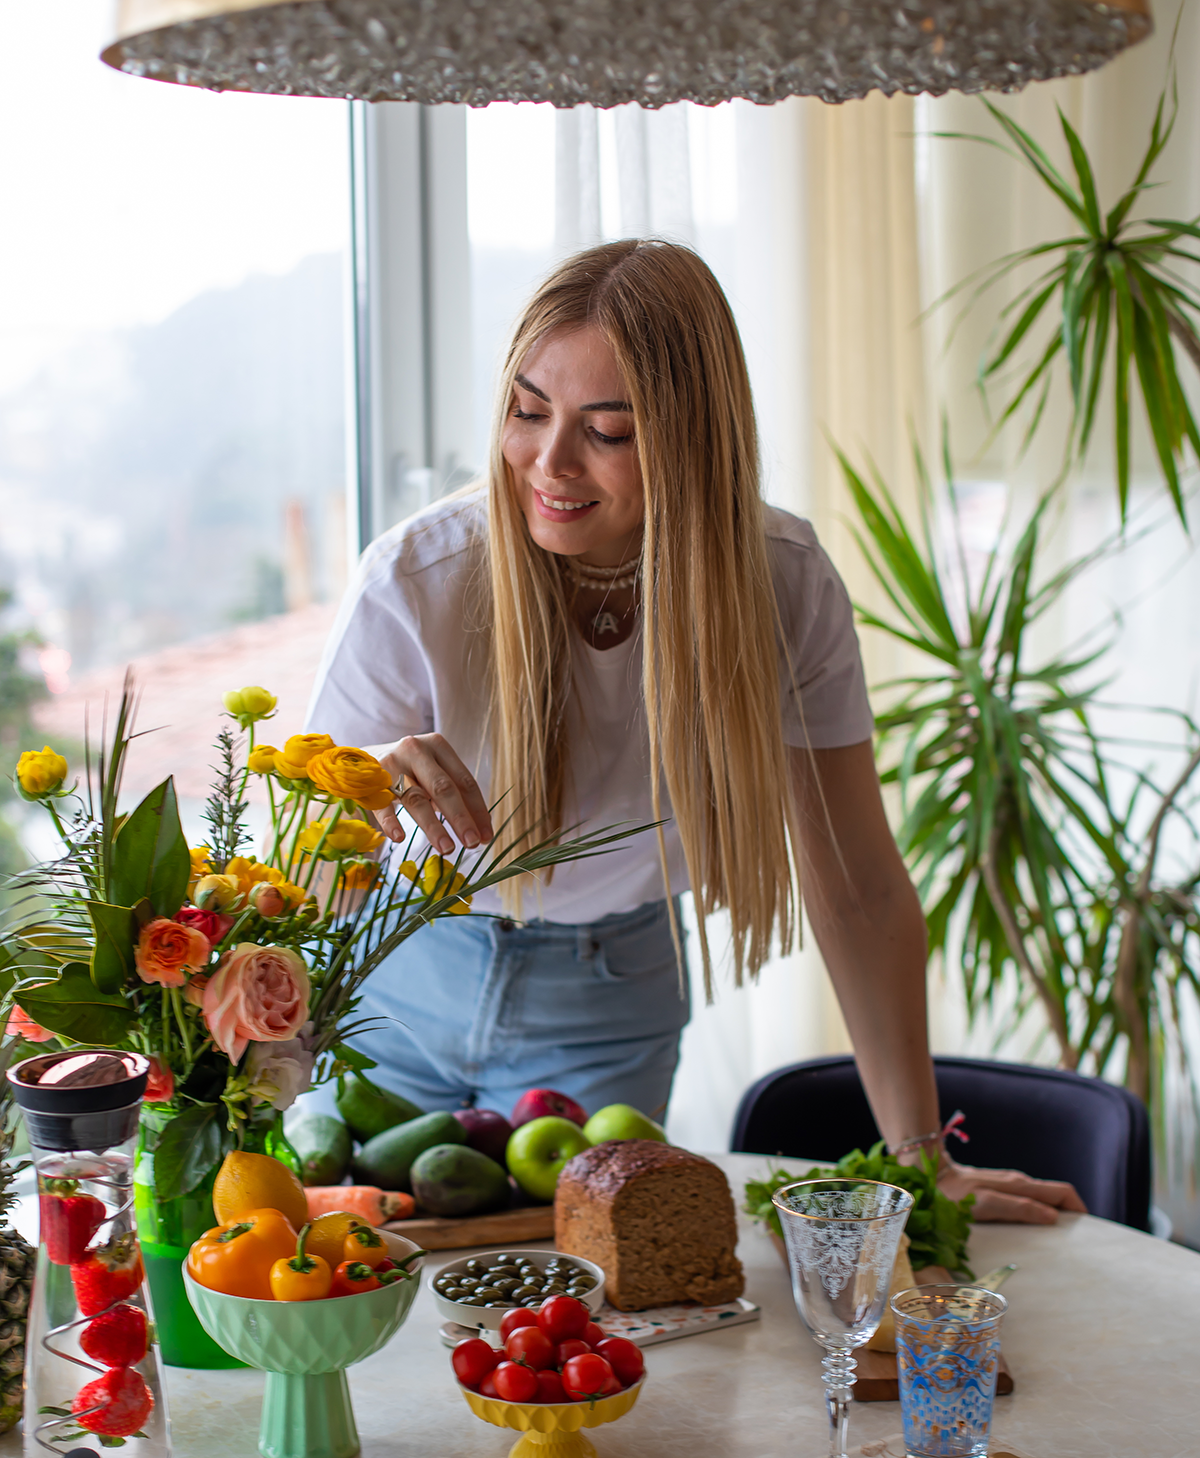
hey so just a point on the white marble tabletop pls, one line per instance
(1102, 1336)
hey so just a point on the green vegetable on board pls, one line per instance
(938, 1227)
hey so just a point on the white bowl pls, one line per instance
(491, 1316)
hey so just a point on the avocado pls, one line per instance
(323, 1144)
(387, 1159)
(453, 1179)
(368, 1109)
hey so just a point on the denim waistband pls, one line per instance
(543, 933)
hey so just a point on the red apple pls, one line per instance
(545, 1103)
(487, 1131)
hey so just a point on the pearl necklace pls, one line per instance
(603, 579)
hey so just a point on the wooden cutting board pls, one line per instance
(505, 1227)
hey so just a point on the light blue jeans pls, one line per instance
(470, 1006)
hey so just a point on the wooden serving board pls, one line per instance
(505, 1227)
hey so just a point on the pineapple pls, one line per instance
(17, 1261)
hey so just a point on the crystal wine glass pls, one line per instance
(842, 1237)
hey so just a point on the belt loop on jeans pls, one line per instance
(586, 945)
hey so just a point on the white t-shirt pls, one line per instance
(405, 658)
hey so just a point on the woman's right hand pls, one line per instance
(436, 789)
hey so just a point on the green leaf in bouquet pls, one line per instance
(150, 854)
(75, 1007)
(188, 1148)
(112, 956)
(352, 1058)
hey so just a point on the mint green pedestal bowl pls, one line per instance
(304, 1347)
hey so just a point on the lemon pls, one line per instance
(257, 1182)
(327, 1237)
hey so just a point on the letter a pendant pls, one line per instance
(605, 623)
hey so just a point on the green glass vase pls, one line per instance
(167, 1228)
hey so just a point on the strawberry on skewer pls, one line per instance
(110, 1274)
(68, 1220)
(116, 1338)
(115, 1405)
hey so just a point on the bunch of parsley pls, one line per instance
(938, 1227)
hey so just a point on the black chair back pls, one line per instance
(1051, 1124)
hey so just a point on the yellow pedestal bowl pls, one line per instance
(552, 1429)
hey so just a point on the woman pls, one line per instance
(613, 627)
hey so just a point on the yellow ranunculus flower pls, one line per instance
(348, 837)
(359, 875)
(294, 895)
(262, 759)
(40, 772)
(217, 893)
(248, 705)
(352, 774)
(439, 878)
(248, 872)
(201, 859)
(292, 760)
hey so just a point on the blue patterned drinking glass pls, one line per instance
(947, 1353)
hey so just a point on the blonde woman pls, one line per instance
(613, 626)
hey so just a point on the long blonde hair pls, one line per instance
(710, 667)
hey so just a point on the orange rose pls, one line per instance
(167, 951)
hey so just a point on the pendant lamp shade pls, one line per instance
(607, 52)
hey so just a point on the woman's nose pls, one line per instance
(558, 459)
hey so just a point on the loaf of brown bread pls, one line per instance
(658, 1220)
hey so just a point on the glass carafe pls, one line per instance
(92, 1369)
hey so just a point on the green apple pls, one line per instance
(538, 1150)
(621, 1121)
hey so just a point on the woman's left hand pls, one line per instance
(1007, 1194)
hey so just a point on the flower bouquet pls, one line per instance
(238, 977)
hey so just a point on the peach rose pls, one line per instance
(257, 994)
(167, 951)
(21, 1025)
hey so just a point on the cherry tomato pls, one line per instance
(515, 1383)
(472, 1360)
(487, 1388)
(562, 1317)
(586, 1378)
(517, 1317)
(593, 1335)
(550, 1387)
(531, 1345)
(624, 1358)
(572, 1347)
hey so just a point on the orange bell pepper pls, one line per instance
(366, 1245)
(302, 1278)
(237, 1258)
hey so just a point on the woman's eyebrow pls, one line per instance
(532, 388)
(607, 406)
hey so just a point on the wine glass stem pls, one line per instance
(838, 1370)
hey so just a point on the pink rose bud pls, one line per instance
(267, 900)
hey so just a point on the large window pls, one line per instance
(171, 378)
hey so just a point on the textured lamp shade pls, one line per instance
(611, 51)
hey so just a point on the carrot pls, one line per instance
(368, 1202)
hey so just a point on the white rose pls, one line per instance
(279, 1072)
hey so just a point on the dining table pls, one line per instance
(1102, 1337)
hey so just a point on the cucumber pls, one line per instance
(324, 1146)
(387, 1159)
(368, 1109)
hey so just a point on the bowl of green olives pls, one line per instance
(477, 1290)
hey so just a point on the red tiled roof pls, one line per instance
(180, 697)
